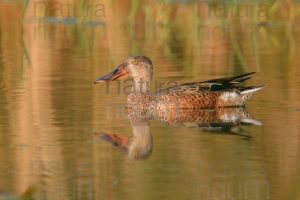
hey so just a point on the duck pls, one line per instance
(214, 93)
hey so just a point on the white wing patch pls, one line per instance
(227, 96)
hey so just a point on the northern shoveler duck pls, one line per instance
(223, 92)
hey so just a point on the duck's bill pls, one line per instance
(118, 74)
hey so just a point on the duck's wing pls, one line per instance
(227, 82)
(210, 85)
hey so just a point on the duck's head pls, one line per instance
(138, 67)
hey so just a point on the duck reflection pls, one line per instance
(139, 146)
(222, 120)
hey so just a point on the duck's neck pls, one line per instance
(141, 86)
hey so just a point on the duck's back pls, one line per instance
(224, 92)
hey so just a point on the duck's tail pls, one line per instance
(247, 92)
(251, 89)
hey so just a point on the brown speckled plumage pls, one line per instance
(215, 93)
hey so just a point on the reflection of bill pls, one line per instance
(137, 147)
(225, 120)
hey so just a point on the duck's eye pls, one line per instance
(115, 71)
(135, 62)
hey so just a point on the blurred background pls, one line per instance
(51, 51)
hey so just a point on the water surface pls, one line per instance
(50, 110)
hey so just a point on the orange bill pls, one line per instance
(118, 74)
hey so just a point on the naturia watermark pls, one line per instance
(127, 86)
(68, 9)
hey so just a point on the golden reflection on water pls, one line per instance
(49, 108)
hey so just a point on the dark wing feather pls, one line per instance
(210, 85)
(228, 82)
(239, 79)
